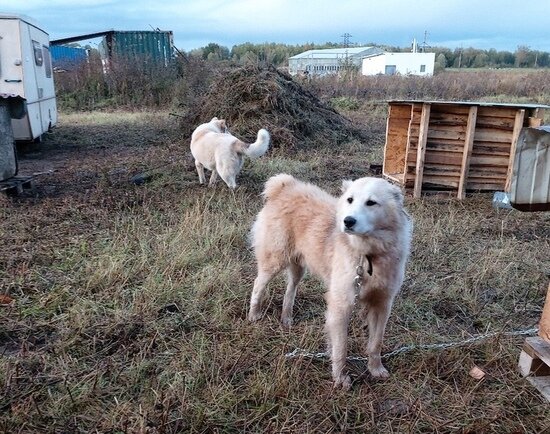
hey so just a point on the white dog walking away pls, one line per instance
(357, 244)
(216, 149)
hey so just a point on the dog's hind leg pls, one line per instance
(228, 178)
(229, 168)
(378, 312)
(295, 272)
(258, 292)
(200, 171)
(213, 178)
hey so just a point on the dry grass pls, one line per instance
(130, 301)
(492, 85)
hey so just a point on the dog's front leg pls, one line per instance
(339, 307)
(378, 311)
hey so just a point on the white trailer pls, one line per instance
(26, 72)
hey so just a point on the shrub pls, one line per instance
(345, 103)
(130, 84)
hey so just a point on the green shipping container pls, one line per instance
(157, 46)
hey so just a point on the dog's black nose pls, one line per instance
(349, 221)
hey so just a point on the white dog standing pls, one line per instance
(357, 244)
(216, 149)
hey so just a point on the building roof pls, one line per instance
(101, 34)
(62, 41)
(336, 53)
(390, 53)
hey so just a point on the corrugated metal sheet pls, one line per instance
(157, 46)
(530, 188)
(327, 61)
(64, 56)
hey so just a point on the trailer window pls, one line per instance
(47, 61)
(38, 59)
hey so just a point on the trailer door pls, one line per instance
(11, 58)
(47, 110)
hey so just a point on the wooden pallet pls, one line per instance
(534, 364)
(16, 185)
(534, 360)
(454, 146)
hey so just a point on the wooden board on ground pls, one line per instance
(534, 363)
(534, 360)
(16, 185)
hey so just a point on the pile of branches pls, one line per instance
(252, 97)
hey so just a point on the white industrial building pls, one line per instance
(398, 63)
(328, 61)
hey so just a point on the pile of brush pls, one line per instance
(251, 97)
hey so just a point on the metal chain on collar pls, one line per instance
(358, 279)
(298, 352)
(359, 272)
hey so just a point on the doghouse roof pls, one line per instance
(470, 103)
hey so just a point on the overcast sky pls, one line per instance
(500, 24)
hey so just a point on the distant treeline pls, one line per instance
(278, 54)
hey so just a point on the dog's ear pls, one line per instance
(346, 183)
(397, 194)
(223, 125)
(214, 119)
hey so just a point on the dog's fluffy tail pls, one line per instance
(275, 185)
(256, 149)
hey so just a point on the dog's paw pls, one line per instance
(379, 372)
(254, 316)
(343, 381)
(286, 321)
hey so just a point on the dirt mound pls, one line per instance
(250, 98)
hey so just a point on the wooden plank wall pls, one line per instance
(544, 324)
(412, 145)
(444, 147)
(492, 148)
(396, 140)
(421, 149)
(467, 147)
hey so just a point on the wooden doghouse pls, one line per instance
(456, 146)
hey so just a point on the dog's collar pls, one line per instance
(359, 271)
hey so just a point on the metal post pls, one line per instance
(8, 162)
